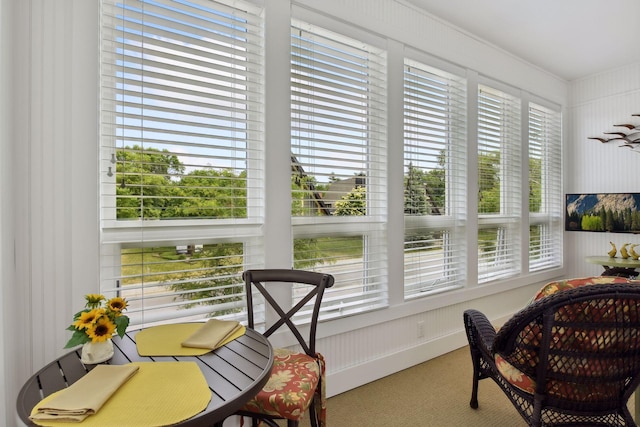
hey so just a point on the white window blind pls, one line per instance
(338, 123)
(338, 140)
(434, 198)
(499, 180)
(181, 143)
(358, 264)
(545, 188)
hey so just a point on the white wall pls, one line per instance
(50, 181)
(6, 218)
(50, 219)
(597, 103)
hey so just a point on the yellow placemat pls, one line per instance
(165, 340)
(160, 394)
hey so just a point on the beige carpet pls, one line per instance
(433, 394)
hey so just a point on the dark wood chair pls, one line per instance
(569, 359)
(297, 378)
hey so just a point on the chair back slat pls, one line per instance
(317, 283)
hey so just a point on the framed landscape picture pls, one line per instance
(604, 212)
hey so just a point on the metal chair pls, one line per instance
(290, 396)
(571, 358)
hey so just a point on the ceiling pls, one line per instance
(569, 38)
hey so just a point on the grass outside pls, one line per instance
(156, 264)
(163, 263)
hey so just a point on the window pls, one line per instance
(181, 135)
(338, 141)
(434, 196)
(182, 167)
(545, 188)
(499, 184)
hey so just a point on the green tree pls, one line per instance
(489, 182)
(353, 203)
(424, 194)
(435, 186)
(210, 193)
(635, 221)
(627, 219)
(592, 223)
(609, 223)
(415, 197)
(424, 190)
(489, 201)
(573, 221)
(144, 189)
(535, 185)
(214, 281)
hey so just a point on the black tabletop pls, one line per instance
(235, 373)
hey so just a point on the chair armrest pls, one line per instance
(480, 331)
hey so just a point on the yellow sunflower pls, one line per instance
(117, 304)
(99, 320)
(94, 300)
(101, 330)
(87, 318)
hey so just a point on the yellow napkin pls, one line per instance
(213, 334)
(87, 395)
(164, 340)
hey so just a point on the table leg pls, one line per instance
(620, 272)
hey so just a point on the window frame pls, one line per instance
(547, 253)
(453, 139)
(371, 228)
(117, 235)
(505, 260)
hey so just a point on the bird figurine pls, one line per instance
(632, 253)
(620, 134)
(613, 251)
(603, 140)
(623, 251)
(630, 138)
(629, 126)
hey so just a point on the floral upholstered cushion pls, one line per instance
(554, 387)
(514, 376)
(291, 387)
(561, 285)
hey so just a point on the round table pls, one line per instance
(234, 372)
(616, 266)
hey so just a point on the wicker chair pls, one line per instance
(571, 358)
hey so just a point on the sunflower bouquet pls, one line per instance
(98, 321)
